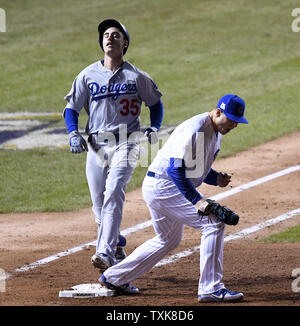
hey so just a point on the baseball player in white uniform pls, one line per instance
(111, 91)
(169, 189)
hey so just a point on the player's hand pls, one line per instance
(77, 142)
(203, 206)
(152, 134)
(223, 179)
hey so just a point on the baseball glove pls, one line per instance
(223, 213)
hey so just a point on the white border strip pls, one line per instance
(149, 223)
(239, 235)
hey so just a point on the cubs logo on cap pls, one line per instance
(240, 111)
(233, 107)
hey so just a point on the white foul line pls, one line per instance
(239, 235)
(76, 249)
(256, 182)
(143, 225)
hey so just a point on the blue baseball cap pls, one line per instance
(233, 107)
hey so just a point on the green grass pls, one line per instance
(46, 180)
(195, 50)
(290, 235)
(42, 180)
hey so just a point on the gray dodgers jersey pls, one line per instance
(195, 141)
(112, 98)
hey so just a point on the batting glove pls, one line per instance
(152, 134)
(223, 179)
(77, 142)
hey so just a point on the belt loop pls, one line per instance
(152, 174)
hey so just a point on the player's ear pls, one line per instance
(125, 44)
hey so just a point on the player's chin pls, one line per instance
(108, 49)
(225, 131)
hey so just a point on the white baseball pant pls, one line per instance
(170, 211)
(108, 174)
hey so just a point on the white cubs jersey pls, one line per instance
(112, 98)
(195, 141)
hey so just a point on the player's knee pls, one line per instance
(174, 243)
(171, 241)
(115, 190)
(97, 210)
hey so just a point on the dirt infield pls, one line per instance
(261, 271)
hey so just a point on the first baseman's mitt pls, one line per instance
(223, 213)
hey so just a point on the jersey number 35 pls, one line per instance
(129, 107)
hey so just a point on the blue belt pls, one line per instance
(156, 175)
(151, 174)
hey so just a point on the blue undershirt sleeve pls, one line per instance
(71, 119)
(211, 178)
(156, 114)
(176, 171)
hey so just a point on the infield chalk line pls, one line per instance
(146, 224)
(236, 236)
(28, 115)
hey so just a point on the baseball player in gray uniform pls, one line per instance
(111, 91)
(169, 189)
